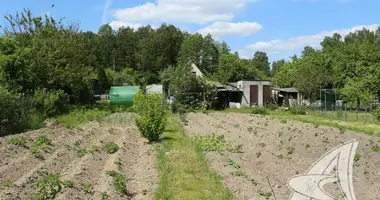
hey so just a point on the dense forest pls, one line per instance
(47, 65)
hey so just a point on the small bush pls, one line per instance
(13, 115)
(259, 111)
(298, 110)
(48, 187)
(110, 148)
(152, 115)
(118, 181)
(49, 103)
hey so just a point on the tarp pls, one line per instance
(123, 94)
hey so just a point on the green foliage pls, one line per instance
(216, 143)
(265, 194)
(104, 196)
(88, 188)
(42, 143)
(259, 111)
(271, 106)
(110, 148)
(82, 115)
(49, 103)
(21, 141)
(298, 110)
(48, 187)
(13, 117)
(118, 181)
(376, 113)
(152, 115)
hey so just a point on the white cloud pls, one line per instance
(118, 24)
(106, 7)
(220, 29)
(189, 11)
(298, 43)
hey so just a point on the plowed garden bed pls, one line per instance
(277, 150)
(81, 159)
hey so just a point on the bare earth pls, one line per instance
(265, 143)
(135, 159)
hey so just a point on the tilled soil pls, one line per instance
(135, 159)
(277, 150)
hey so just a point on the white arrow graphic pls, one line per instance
(310, 185)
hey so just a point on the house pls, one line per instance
(286, 96)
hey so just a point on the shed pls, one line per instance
(256, 92)
(286, 96)
(123, 94)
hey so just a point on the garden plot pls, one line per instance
(259, 154)
(106, 160)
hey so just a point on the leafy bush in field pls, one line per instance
(376, 113)
(298, 110)
(152, 115)
(13, 116)
(259, 111)
(49, 103)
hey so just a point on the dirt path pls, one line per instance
(280, 149)
(78, 156)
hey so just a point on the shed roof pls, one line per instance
(289, 90)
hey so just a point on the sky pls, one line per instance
(281, 28)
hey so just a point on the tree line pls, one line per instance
(349, 64)
(46, 64)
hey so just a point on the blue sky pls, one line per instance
(279, 27)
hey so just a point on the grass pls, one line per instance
(370, 127)
(97, 112)
(183, 169)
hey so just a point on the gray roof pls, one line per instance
(289, 90)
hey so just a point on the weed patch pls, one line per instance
(42, 143)
(216, 143)
(118, 181)
(110, 148)
(21, 141)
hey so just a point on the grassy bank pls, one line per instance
(184, 172)
(330, 119)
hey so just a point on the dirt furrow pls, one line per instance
(280, 149)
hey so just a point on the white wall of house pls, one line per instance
(246, 87)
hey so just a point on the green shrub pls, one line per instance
(298, 110)
(49, 103)
(152, 115)
(376, 113)
(13, 115)
(259, 111)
